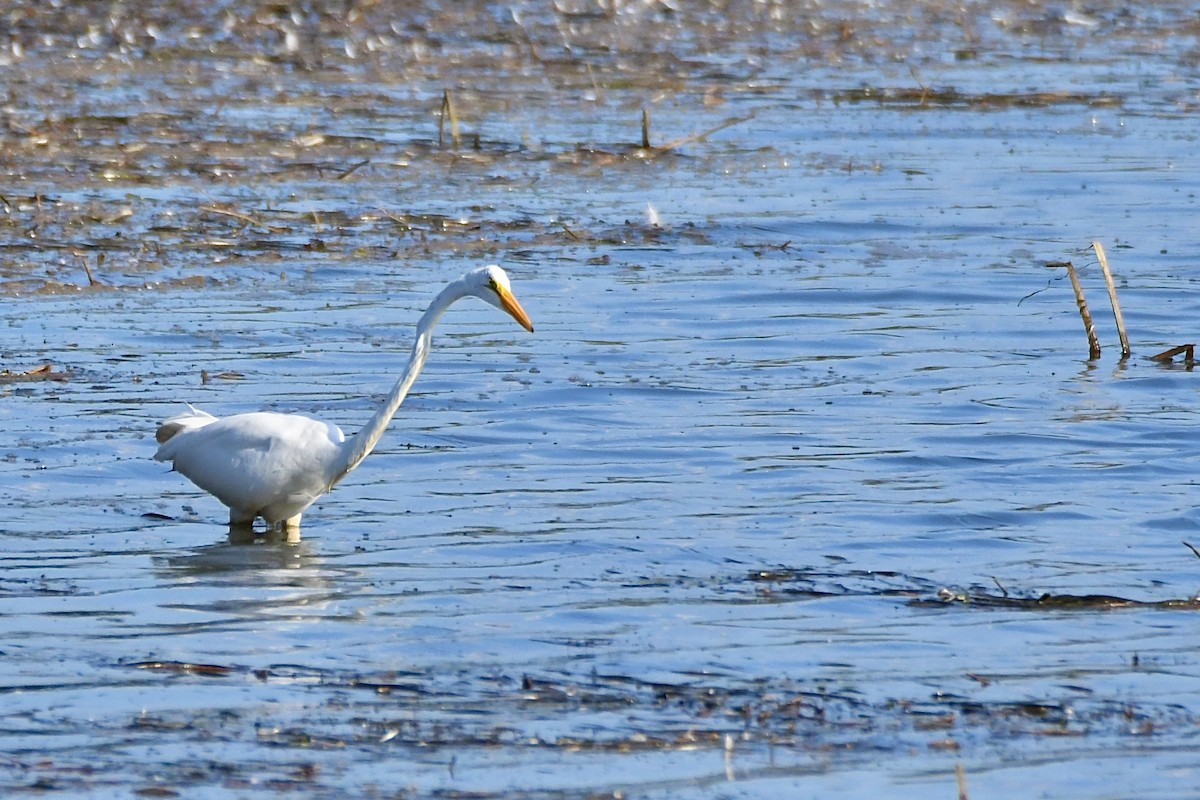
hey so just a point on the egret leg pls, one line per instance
(290, 528)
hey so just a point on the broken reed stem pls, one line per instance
(960, 776)
(1112, 295)
(352, 169)
(82, 257)
(246, 218)
(1188, 351)
(691, 137)
(1093, 342)
(448, 111)
(695, 137)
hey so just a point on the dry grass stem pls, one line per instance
(246, 218)
(1112, 295)
(448, 113)
(696, 137)
(960, 775)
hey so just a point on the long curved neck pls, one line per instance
(359, 446)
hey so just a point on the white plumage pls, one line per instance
(275, 465)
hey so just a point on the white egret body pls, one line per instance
(275, 465)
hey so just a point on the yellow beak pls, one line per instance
(511, 305)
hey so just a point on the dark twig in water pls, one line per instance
(1000, 586)
(1195, 552)
(353, 169)
(1052, 265)
(645, 128)
(1188, 351)
(1112, 295)
(87, 268)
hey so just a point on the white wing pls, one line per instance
(263, 463)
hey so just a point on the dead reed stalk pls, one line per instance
(701, 135)
(448, 112)
(1188, 351)
(82, 257)
(245, 218)
(1081, 301)
(1112, 296)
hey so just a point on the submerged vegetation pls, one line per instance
(175, 142)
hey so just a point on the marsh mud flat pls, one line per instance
(803, 487)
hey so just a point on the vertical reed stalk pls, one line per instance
(448, 112)
(960, 776)
(1112, 295)
(1093, 342)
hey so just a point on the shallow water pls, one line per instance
(789, 381)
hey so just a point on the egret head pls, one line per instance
(491, 285)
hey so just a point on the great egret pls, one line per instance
(275, 465)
